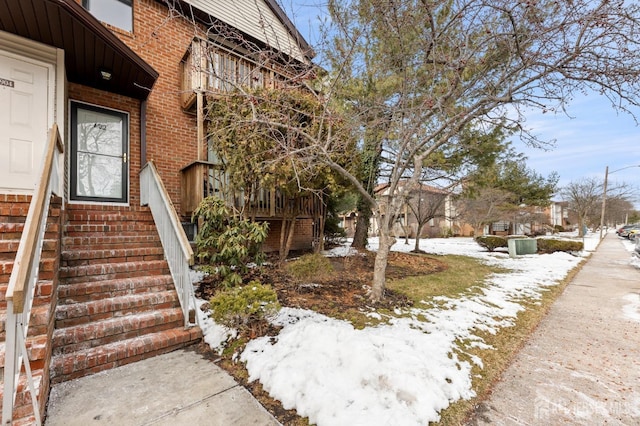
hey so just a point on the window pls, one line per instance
(99, 146)
(118, 13)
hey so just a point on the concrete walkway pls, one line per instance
(582, 365)
(179, 388)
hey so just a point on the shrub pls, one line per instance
(491, 242)
(227, 243)
(558, 228)
(309, 266)
(239, 307)
(549, 245)
(334, 234)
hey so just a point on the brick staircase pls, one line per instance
(116, 299)
(13, 211)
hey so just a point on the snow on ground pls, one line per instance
(409, 369)
(630, 246)
(631, 309)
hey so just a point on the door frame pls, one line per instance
(71, 178)
(36, 53)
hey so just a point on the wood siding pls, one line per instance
(256, 19)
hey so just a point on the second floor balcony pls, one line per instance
(215, 69)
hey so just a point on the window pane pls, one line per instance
(96, 177)
(99, 133)
(115, 12)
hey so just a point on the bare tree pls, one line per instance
(448, 65)
(585, 198)
(486, 207)
(618, 210)
(407, 77)
(426, 204)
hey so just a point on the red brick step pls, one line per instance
(83, 313)
(95, 290)
(85, 336)
(85, 257)
(112, 271)
(93, 360)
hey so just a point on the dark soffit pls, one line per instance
(89, 46)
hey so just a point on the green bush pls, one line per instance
(549, 245)
(491, 242)
(239, 307)
(558, 228)
(226, 242)
(309, 266)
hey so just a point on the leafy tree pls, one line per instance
(525, 185)
(504, 190)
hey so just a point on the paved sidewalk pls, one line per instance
(582, 365)
(178, 388)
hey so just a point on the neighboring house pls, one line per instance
(558, 212)
(525, 220)
(109, 96)
(429, 208)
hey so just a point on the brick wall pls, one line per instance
(301, 240)
(162, 40)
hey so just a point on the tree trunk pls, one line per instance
(406, 234)
(418, 231)
(320, 246)
(283, 236)
(362, 226)
(320, 228)
(380, 265)
(580, 226)
(290, 231)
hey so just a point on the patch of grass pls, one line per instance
(310, 267)
(462, 274)
(506, 343)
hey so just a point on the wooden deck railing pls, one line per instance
(24, 276)
(215, 69)
(202, 179)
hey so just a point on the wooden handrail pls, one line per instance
(29, 242)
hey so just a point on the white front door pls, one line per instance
(24, 110)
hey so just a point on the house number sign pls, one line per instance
(6, 83)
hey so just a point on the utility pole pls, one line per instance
(604, 200)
